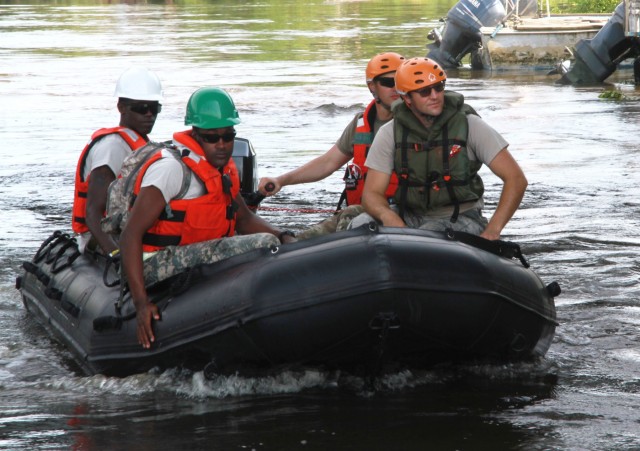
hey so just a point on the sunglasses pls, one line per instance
(426, 92)
(387, 82)
(144, 108)
(214, 138)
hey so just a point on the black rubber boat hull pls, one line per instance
(353, 300)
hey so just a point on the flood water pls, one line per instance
(296, 72)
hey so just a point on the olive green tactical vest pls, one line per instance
(428, 178)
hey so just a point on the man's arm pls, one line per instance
(312, 171)
(146, 209)
(248, 222)
(515, 184)
(99, 181)
(374, 199)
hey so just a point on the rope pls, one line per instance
(298, 210)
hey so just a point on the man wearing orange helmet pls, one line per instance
(436, 145)
(353, 144)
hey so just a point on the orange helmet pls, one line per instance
(416, 73)
(383, 63)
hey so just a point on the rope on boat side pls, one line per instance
(298, 210)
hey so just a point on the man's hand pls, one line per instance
(274, 185)
(145, 314)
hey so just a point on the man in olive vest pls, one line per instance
(436, 145)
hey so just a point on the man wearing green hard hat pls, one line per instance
(188, 207)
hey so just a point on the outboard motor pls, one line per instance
(244, 156)
(597, 58)
(461, 33)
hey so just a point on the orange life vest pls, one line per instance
(204, 218)
(356, 170)
(133, 140)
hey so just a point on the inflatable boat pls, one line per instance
(361, 300)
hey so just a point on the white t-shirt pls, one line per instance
(167, 175)
(111, 151)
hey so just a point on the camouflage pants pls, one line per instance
(174, 259)
(335, 223)
(471, 221)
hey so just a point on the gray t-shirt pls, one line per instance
(483, 144)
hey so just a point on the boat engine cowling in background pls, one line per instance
(461, 32)
(597, 58)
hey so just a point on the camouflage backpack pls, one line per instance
(120, 197)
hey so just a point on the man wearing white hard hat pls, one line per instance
(139, 93)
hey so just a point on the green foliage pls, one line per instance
(612, 94)
(584, 6)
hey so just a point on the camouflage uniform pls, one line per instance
(336, 223)
(174, 259)
(471, 221)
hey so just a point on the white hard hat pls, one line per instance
(139, 83)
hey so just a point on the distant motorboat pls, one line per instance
(494, 35)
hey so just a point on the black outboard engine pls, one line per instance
(244, 156)
(597, 58)
(461, 33)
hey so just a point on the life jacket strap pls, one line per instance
(446, 175)
(403, 176)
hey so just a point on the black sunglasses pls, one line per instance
(214, 138)
(426, 92)
(387, 82)
(144, 108)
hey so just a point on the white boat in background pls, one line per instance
(503, 34)
(533, 42)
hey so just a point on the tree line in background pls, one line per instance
(584, 6)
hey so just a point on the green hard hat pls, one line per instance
(211, 108)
